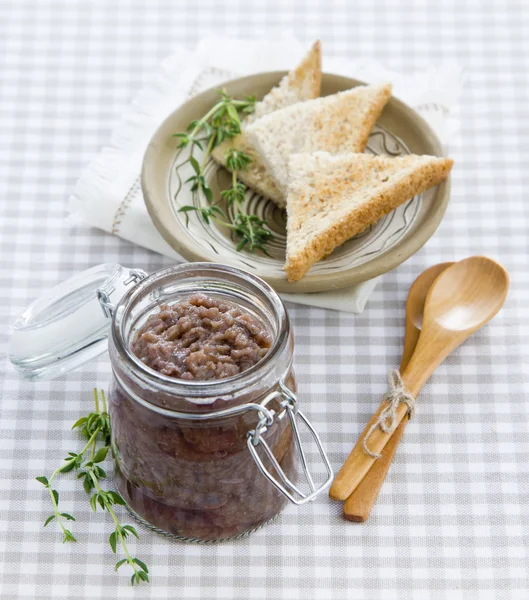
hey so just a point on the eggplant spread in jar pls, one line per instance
(197, 479)
(201, 339)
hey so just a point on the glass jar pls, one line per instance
(198, 460)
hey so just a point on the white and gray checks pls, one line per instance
(451, 521)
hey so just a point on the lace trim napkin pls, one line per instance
(108, 194)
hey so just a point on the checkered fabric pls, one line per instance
(451, 521)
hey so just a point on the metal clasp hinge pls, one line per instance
(135, 276)
(255, 440)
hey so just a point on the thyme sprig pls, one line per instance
(220, 123)
(96, 429)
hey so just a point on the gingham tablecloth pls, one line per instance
(452, 519)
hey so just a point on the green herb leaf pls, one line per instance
(68, 517)
(117, 499)
(79, 422)
(55, 495)
(49, 520)
(68, 536)
(194, 164)
(252, 232)
(119, 563)
(42, 479)
(194, 125)
(241, 245)
(236, 160)
(99, 473)
(208, 193)
(232, 113)
(132, 530)
(101, 454)
(249, 106)
(234, 195)
(113, 541)
(88, 484)
(215, 210)
(68, 466)
(141, 564)
(183, 138)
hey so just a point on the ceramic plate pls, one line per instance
(383, 246)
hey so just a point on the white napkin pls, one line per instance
(108, 194)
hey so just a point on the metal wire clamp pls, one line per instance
(255, 440)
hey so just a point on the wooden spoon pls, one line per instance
(360, 503)
(462, 300)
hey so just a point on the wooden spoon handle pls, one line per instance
(359, 462)
(360, 503)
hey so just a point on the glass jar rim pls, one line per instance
(194, 390)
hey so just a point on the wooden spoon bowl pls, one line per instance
(464, 298)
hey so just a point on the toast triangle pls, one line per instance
(336, 124)
(332, 198)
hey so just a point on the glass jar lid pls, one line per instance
(69, 325)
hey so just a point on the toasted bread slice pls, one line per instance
(303, 83)
(332, 198)
(336, 124)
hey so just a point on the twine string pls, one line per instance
(387, 419)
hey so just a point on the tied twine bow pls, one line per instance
(387, 419)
